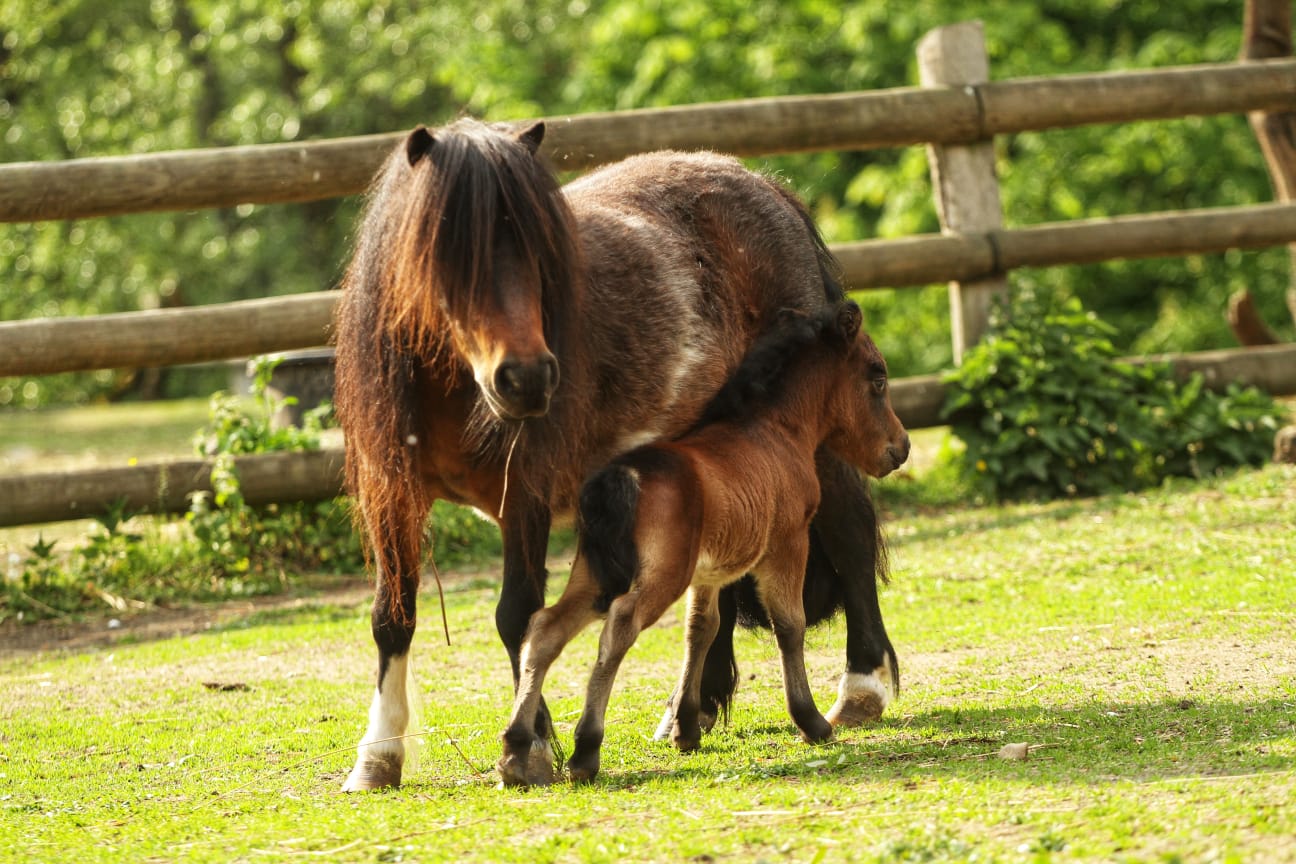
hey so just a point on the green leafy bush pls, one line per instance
(267, 542)
(1047, 409)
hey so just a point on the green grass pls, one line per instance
(55, 438)
(100, 436)
(1141, 644)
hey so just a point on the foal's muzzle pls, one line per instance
(524, 388)
(899, 453)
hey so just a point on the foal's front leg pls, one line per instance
(787, 616)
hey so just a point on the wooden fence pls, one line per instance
(953, 116)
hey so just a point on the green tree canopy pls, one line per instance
(81, 78)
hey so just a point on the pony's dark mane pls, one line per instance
(762, 374)
(431, 225)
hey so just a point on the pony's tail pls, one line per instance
(609, 504)
(829, 267)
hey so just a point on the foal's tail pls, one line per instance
(608, 507)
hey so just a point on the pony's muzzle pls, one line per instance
(523, 388)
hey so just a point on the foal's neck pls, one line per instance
(806, 413)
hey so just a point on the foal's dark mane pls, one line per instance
(761, 376)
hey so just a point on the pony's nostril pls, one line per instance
(509, 379)
(525, 387)
(550, 365)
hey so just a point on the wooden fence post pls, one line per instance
(1266, 34)
(963, 175)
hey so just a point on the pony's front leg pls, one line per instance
(381, 753)
(525, 531)
(527, 759)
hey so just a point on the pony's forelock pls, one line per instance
(475, 182)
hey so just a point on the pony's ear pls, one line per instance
(849, 319)
(418, 144)
(532, 136)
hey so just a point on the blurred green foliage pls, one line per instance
(80, 78)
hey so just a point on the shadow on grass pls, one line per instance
(1092, 744)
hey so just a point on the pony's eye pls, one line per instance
(879, 385)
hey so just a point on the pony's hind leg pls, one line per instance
(381, 753)
(848, 549)
(527, 759)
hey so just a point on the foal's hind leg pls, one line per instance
(719, 676)
(627, 617)
(703, 619)
(527, 760)
(848, 548)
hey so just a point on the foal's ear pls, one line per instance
(849, 319)
(532, 136)
(418, 144)
(787, 316)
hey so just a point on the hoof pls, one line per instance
(535, 767)
(583, 771)
(860, 700)
(665, 727)
(817, 731)
(373, 772)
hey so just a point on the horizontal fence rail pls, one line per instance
(165, 337)
(308, 171)
(166, 487)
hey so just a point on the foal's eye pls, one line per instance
(879, 385)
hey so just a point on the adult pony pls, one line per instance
(499, 337)
(694, 514)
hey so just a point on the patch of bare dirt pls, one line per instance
(18, 638)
